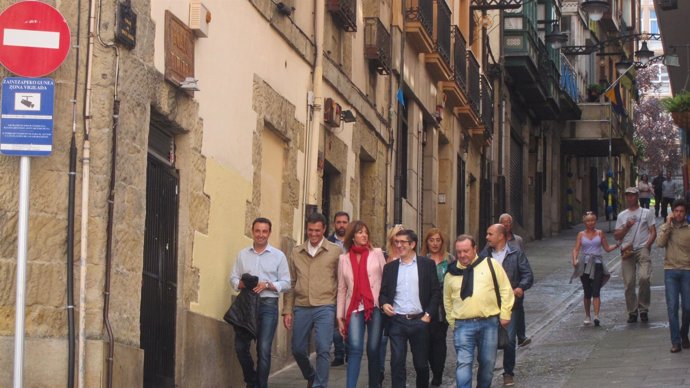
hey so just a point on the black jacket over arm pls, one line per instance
(429, 287)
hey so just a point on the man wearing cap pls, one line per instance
(635, 227)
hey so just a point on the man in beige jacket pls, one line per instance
(311, 300)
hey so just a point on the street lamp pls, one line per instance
(556, 38)
(623, 65)
(595, 9)
(644, 53)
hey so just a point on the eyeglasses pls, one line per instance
(401, 242)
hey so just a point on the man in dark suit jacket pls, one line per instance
(410, 296)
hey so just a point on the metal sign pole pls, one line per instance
(22, 237)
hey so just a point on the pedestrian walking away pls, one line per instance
(473, 312)
(657, 184)
(519, 272)
(646, 190)
(310, 304)
(360, 271)
(410, 295)
(340, 222)
(516, 241)
(674, 235)
(268, 265)
(434, 246)
(637, 230)
(591, 268)
(669, 191)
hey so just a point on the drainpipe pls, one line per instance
(314, 134)
(111, 206)
(86, 154)
(397, 188)
(71, 199)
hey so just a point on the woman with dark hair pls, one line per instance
(434, 247)
(645, 188)
(591, 267)
(359, 282)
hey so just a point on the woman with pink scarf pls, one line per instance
(359, 282)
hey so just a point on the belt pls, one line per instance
(410, 316)
(476, 319)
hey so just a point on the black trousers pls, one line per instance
(438, 347)
(416, 332)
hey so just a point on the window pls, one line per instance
(653, 23)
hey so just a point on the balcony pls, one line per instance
(438, 61)
(377, 45)
(419, 23)
(469, 114)
(521, 50)
(611, 20)
(344, 13)
(589, 136)
(487, 107)
(569, 93)
(543, 97)
(456, 90)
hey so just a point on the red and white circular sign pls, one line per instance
(34, 38)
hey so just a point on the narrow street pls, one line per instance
(564, 352)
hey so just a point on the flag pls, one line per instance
(614, 96)
(401, 97)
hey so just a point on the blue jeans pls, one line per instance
(268, 320)
(509, 352)
(338, 345)
(355, 343)
(471, 334)
(322, 319)
(382, 359)
(400, 331)
(677, 282)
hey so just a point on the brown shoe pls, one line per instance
(686, 342)
(675, 348)
(508, 380)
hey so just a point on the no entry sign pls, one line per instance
(34, 39)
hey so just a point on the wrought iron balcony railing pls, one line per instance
(344, 13)
(377, 45)
(459, 59)
(443, 17)
(421, 11)
(568, 81)
(473, 82)
(487, 105)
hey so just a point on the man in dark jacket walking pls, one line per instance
(270, 266)
(410, 297)
(519, 272)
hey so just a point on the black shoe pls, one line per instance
(686, 342)
(381, 377)
(337, 361)
(596, 322)
(675, 348)
(632, 318)
(644, 317)
(436, 381)
(310, 382)
(524, 342)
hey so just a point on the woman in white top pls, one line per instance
(646, 191)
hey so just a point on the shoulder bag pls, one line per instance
(502, 331)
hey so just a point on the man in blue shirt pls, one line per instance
(410, 296)
(270, 265)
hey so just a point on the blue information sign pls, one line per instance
(26, 124)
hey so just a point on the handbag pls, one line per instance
(627, 251)
(502, 331)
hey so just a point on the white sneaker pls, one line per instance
(587, 321)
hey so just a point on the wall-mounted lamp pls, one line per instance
(347, 116)
(556, 38)
(190, 84)
(644, 53)
(623, 65)
(283, 8)
(595, 9)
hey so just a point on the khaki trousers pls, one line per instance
(638, 266)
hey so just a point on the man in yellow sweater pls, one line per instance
(473, 312)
